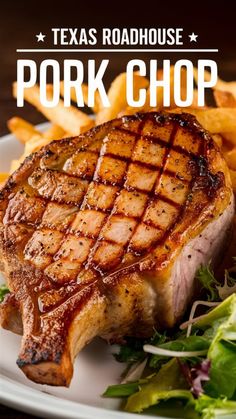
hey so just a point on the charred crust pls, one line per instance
(203, 178)
(33, 357)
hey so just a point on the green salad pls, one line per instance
(192, 371)
(3, 291)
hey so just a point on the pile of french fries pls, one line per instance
(220, 121)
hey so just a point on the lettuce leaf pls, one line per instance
(3, 291)
(214, 289)
(191, 343)
(222, 350)
(210, 408)
(205, 276)
(121, 390)
(219, 313)
(168, 383)
(132, 350)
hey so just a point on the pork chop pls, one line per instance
(102, 234)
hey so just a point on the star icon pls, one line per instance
(193, 37)
(40, 37)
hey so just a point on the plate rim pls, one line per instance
(10, 136)
(27, 399)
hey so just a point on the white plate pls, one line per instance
(94, 369)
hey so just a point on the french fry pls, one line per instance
(226, 146)
(195, 99)
(22, 129)
(215, 120)
(117, 96)
(226, 86)
(159, 90)
(54, 133)
(218, 139)
(230, 157)
(15, 164)
(159, 94)
(230, 137)
(3, 178)
(35, 144)
(98, 106)
(70, 119)
(224, 99)
(233, 179)
(129, 110)
(97, 99)
(183, 86)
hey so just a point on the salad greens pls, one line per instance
(205, 276)
(197, 370)
(222, 351)
(3, 291)
(213, 289)
(166, 384)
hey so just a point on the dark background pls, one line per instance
(213, 21)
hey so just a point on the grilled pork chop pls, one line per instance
(101, 235)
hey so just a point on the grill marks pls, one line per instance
(100, 196)
(117, 230)
(172, 189)
(150, 232)
(88, 223)
(72, 253)
(110, 201)
(58, 216)
(57, 186)
(43, 244)
(24, 208)
(140, 181)
(113, 218)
